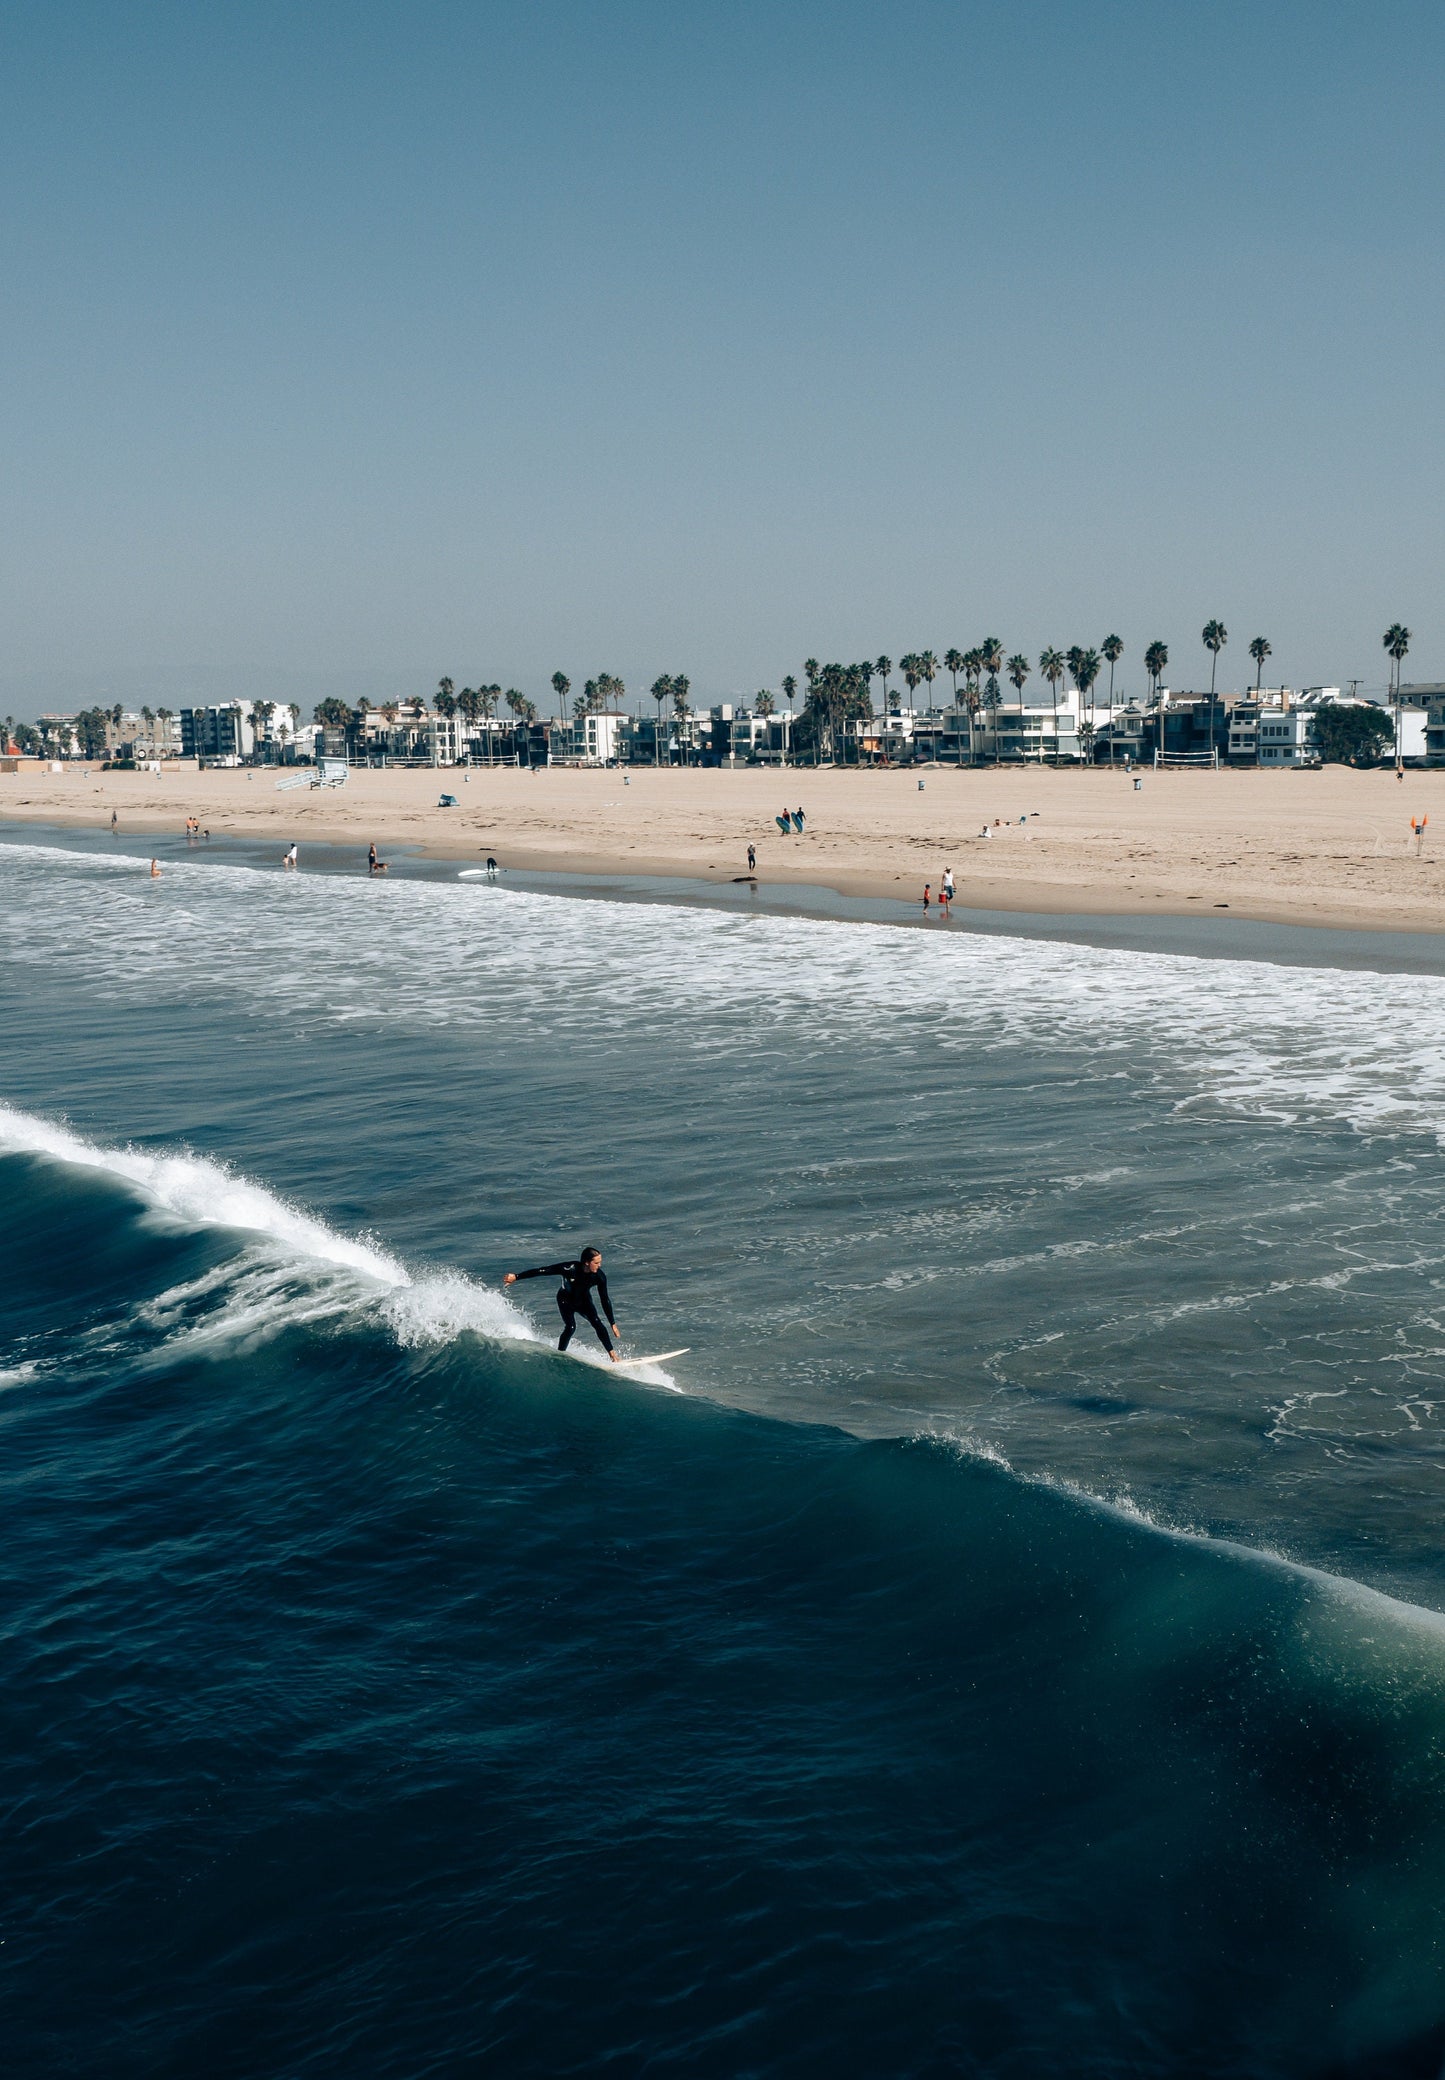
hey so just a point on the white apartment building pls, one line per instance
(1284, 737)
(587, 740)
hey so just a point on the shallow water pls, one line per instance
(1011, 1646)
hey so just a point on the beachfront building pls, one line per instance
(897, 738)
(157, 738)
(1286, 737)
(587, 740)
(221, 735)
(1427, 700)
(1119, 737)
(444, 738)
(1027, 732)
(761, 740)
(698, 738)
(397, 734)
(1434, 722)
(144, 739)
(1188, 728)
(59, 737)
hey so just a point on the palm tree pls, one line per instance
(953, 665)
(1112, 648)
(990, 658)
(1259, 650)
(1084, 664)
(661, 690)
(763, 702)
(469, 707)
(561, 686)
(884, 669)
(1018, 671)
(790, 688)
(1215, 635)
(1051, 664)
(444, 691)
(1397, 645)
(681, 687)
(1156, 662)
(912, 673)
(927, 671)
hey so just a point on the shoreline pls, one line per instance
(1198, 936)
(1326, 851)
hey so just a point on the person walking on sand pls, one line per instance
(948, 884)
(580, 1276)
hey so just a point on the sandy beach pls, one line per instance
(1331, 847)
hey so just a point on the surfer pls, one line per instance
(579, 1276)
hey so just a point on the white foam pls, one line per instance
(1280, 1043)
(198, 1193)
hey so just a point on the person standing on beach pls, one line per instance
(948, 884)
(927, 895)
(579, 1276)
(114, 820)
(752, 859)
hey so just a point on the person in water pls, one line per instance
(579, 1276)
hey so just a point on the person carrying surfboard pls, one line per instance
(580, 1275)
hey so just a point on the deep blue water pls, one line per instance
(1007, 1644)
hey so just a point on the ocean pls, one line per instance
(1010, 1642)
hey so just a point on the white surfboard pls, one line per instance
(657, 1357)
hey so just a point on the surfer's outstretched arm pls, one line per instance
(538, 1271)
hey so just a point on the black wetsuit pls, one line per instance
(575, 1298)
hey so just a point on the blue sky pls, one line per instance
(370, 342)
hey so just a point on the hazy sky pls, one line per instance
(490, 339)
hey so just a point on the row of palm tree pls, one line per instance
(839, 693)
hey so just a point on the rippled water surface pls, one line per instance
(1006, 1643)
